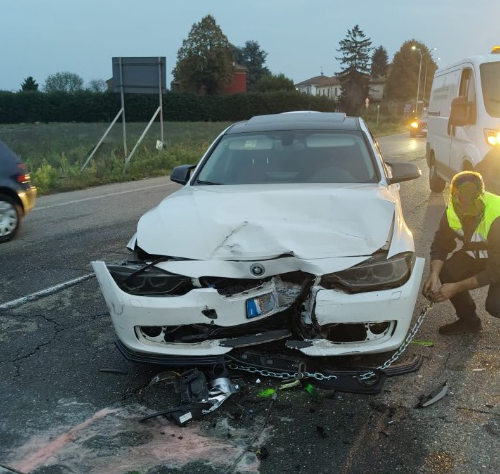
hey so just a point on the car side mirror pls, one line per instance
(182, 174)
(460, 112)
(402, 171)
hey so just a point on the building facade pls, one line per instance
(330, 87)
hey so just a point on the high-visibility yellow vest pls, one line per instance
(491, 212)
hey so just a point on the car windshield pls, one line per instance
(289, 157)
(490, 83)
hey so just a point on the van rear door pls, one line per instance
(444, 90)
(463, 137)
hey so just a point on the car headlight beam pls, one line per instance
(492, 137)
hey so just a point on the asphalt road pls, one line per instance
(71, 404)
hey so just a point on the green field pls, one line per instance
(55, 152)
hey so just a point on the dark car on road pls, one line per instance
(418, 126)
(17, 193)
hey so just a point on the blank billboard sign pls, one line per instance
(139, 75)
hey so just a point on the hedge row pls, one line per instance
(29, 107)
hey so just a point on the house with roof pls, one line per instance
(377, 87)
(311, 85)
(330, 87)
(239, 83)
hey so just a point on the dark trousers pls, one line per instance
(459, 267)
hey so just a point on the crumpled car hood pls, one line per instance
(260, 222)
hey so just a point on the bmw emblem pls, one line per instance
(257, 269)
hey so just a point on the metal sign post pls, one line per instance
(160, 100)
(122, 95)
(141, 75)
(102, 139)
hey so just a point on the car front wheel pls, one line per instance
(10, 218)
(436, 183)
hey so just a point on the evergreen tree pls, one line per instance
(63, 82)
(253, 58)
(355, 75)
(204, 62)
(380, 63)
(29, 84)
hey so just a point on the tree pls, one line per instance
(273, 83)
(29, 84)
(63, 82)
(402, 81)
(204, 62)
(380, 62)
(97, 85)
(253, 58)
(355, 75)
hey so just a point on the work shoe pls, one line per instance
(461, 326)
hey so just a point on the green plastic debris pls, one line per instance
(423, 343)
(266, 393)
(309, 388)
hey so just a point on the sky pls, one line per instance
(301, 37)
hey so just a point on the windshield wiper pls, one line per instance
(207, 182)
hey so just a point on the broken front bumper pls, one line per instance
(326, 310)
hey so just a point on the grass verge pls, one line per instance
(56, 152)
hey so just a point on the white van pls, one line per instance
(463, 125)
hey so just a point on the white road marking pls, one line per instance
(45, 292)
(67, 284)
(66, 203)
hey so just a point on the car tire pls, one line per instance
(10, 218)
(436, 183)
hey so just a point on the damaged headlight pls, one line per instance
(147, 280)
(377, 273)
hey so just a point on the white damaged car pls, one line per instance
(289, 231)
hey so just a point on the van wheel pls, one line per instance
(10, 218)
(436, 183)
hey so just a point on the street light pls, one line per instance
(419, 71)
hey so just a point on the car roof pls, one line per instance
(297, 120)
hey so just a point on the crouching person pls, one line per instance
(469, 230)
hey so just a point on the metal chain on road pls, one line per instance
(283, 375)
(404, 345)
(321, 376)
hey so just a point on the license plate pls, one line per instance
(261, 305)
